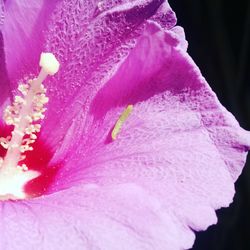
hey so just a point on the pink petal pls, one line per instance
(92, 217)
(23, 39)
(5, 92)
(4, 85)
(1, 12)
(165, 16)
(179, 145)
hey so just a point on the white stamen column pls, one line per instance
(23, 114)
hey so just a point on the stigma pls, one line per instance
(25, 115)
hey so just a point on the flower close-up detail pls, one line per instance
(110, 137)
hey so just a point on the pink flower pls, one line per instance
(175, 158)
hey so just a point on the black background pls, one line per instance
(218, 32)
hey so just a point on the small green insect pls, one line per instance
(124, 116)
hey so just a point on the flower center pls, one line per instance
(24, 114)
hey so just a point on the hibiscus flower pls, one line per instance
(135, 151)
